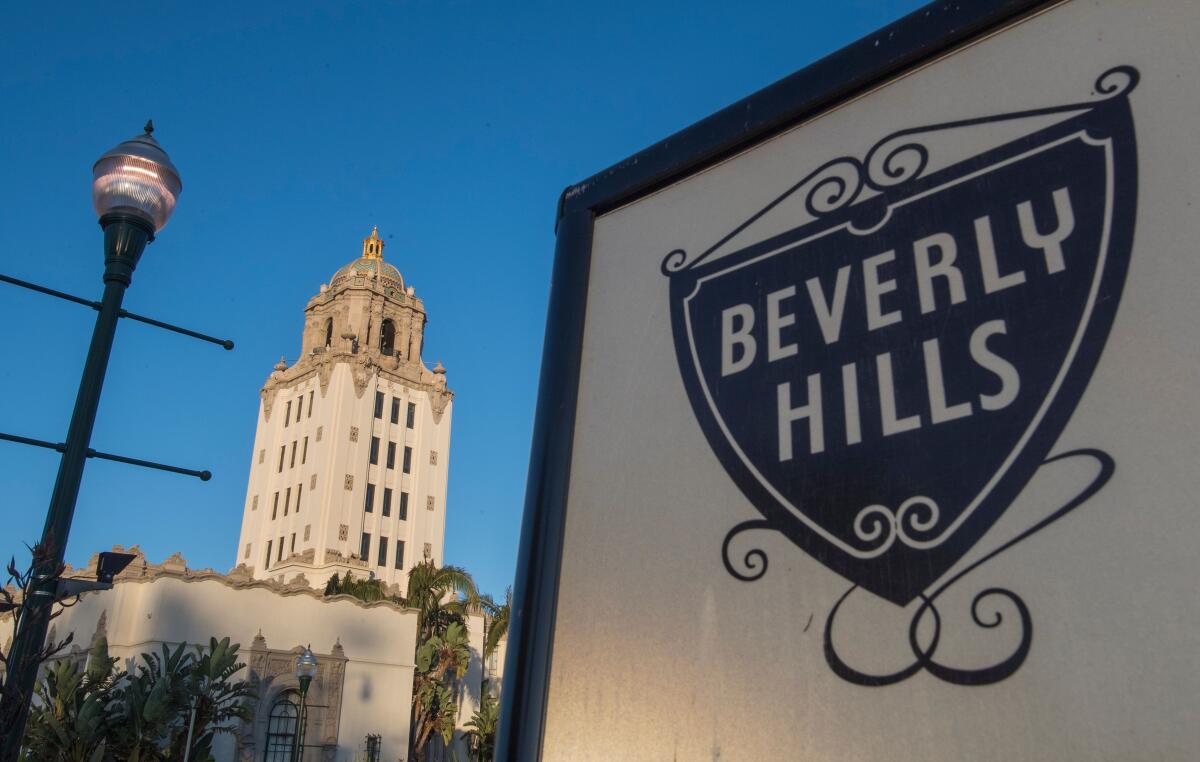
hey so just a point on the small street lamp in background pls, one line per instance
(134, 189)
(306, 670)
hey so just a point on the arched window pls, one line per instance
(281, 729)
(328, 332)
(387, 338)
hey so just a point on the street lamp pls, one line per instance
(306, 670)
(134, 189)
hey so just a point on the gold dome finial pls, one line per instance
(373, 245)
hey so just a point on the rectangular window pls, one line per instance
(310, 399)
(293, 548)
(370, 503)
(304, 452)
(379, 404)
(364, 547)
(247, 555)
(399, 554)
(404, 506)
(299, 407)
(395, 410)
(287, 416)
(280, 555)
(267, 563)
(282, 455)
(292, 462)
(382, 560)
(387, 501)
(374, 451)
(307, 529)
(254, 504)
(275, 507)
(391, 458)
(407, 459)
(287, 500)
(412, 415)
(299, 492)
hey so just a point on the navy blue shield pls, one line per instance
(883, 379)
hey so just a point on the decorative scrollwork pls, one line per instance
(1117, 81)
(753, 564)
(880, 527)
(889, 164)
(832, 186)
(923, 655)
(673, 262)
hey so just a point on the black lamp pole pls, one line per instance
(129, 223)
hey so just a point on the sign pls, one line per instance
(880, 427)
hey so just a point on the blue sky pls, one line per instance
(453, 126)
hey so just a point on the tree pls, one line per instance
(497, 621)
(71, 719)
(481, 730)
(365, 590)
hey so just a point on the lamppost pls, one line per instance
(134, 189)
(306, 670)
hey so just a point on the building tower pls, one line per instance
(352, 447)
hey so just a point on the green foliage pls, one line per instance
(481, 729)
(366, 590)
(102, 713)
(497, 621)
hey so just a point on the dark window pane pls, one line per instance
(404, 506)
(287, 499)
(395, 410)
(382, 560)
(282, 455)
(370, 503)
(399, 554)
(299, 492)
(407, 459)
(387, 501)
(299, 408)
(378, 404)
(374, 450)
(364, 547)
(412, 415)
(391, 456)
(280, 555)
(310, 399)
(292, 462)
(275, 507)
(304, 452)
(287, 416)
(267, 563)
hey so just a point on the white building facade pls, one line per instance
(351, 452)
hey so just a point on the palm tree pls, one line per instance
(496, 626)
(440, 595)
(441, 662)
(481, 730)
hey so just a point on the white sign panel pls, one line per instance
(886, 438)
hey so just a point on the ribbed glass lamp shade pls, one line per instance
(137, 178)
(306, 665)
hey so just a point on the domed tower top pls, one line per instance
(371, 265)
(373, 245)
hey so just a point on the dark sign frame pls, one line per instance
(921, 36)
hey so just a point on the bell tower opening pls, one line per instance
(328, 332)
(387, 338)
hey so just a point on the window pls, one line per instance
(364, 547)
(282, 454)
(281, 729)
(379, 404)
(307, 530)
(412, 415)
(382, 560)
(288, 415)
(254, 503)
(319, 430)
(299, 492)
(399, 564)
(275, 507)
(395, 410)
(407, 459)
(304, 452)
(292, 463)
(292, 549)
(387, 501)
(310, 399)
(374, 451)
(391, 456)
(328, 332)
(262, 454)
(312, 483)
(299, 407)
(287, 500)
(247, 553)
(280, 557)
(404, 506)
(370, 503)
(267, 563)
(387, 338)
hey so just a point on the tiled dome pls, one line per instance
(371, 265)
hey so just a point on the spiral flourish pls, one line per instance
(753, 564)
(987, 618)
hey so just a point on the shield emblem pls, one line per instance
(883, 377)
